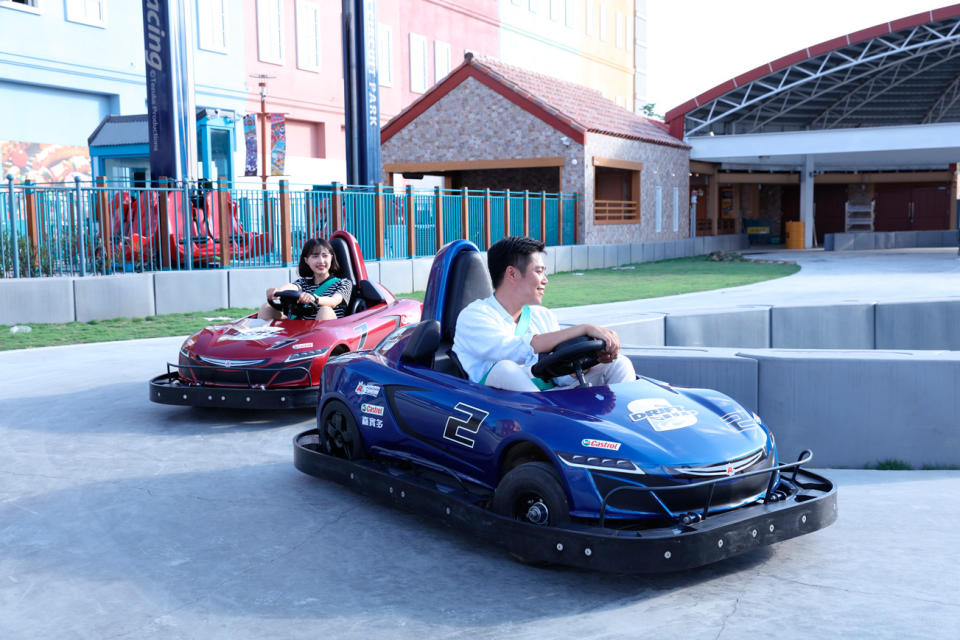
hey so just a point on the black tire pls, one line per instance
(339, 435)
(532, 492)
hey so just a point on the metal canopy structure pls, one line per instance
(899, 73)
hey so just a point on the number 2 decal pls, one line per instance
(456, 428)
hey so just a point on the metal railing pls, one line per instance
(103, 227)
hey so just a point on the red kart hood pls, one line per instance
(251, 337)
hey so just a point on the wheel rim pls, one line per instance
(532, 509)
(338, 438)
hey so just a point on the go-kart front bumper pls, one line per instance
(668, 548)
(169, 388)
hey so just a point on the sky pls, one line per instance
(694, 45)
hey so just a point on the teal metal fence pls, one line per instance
(104, 228)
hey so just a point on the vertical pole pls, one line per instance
(286, 228)
(81, 245)
(378, 221)
(576, 216)
(543, 216)
(163, 206)
(560, 220)
(438, 215)
(263, 135)
(526, 213)
(33, 229)
(411, 223)
(11, 211)
(465, 213)
(188, 219)
(506, 215)
(336, 220)
(225, 221)
(486, 219)
(713, 202)
(106, 222)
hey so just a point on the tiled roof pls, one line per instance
(120, 130)
(567, 106)
(581, 105)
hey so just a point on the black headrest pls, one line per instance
(368, 290)
(469, 280)
(342, 251)
(422, 344)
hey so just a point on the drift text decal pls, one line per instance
(456, 427)
(661, 415)
(251, 333)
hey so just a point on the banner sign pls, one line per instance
(361, 91)
(250, 137)
(160, 106)
(278, 143)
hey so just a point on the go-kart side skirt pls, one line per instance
(168, 389)
(611, 550)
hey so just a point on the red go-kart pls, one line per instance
(276, 364)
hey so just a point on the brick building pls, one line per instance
(492, 125)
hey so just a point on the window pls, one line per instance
(27, 6)
(590, 23)
(603, 22)
(616, 193)
(441, 60)
(534, 6)
(556, 9)
(85, 12)
(385, 54)
(212, 25)
(568, 12)
(620, 26)
(659, 208)
(418, 63)
(676, 208)
(270, 31)
(308, 36)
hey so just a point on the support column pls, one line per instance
(806, 201)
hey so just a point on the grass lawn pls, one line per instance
(647, 280)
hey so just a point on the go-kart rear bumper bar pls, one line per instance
(168, 388)
(663, 549)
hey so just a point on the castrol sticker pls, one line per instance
(373, 409)
(601, 444)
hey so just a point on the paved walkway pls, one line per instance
(120, 518)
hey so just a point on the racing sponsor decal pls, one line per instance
(740, 420)
(457, 428)
(660, 414)
(302, 345)
(367, 389)
(363, 330)
(601, 444)
(251, 333)
(368, 421)
(374, 409)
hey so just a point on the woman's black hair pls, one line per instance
(309, 247)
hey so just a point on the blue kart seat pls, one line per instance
(469, 280)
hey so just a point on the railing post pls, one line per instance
(465, 213)
(543, 217)
(225, 221)
(526, 213)
(576, 216)
(336, 220)
(106, 221)
(286, 228)
(81, 245)
(506, 215)
(188, 219)
(438, 215)
(560, 219)
(33, 229)
(486, 219)
(11, 211)
(378, 221)
(411, 223)
(163, 226)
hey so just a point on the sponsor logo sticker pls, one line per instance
(373, 409)
(250, 333)
(367, 389)
(367, 421)
(660, 414)
(601, 444)
(302, 345)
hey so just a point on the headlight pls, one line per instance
(185, 347)
(599, 463)
(306, 355)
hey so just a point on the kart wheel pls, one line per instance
(339, 435)
(532, 493)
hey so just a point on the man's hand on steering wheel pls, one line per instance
(610, 339)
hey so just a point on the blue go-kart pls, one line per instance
(631, 477)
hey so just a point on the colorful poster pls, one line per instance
(278, 143)
(44, 162)
(250, 137)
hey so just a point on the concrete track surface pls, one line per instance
(120, 518)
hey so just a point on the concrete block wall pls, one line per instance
(868, 240)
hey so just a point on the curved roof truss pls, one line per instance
(893, 76)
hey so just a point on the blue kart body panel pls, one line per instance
(643, 434)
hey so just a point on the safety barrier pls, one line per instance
(867, 240)
(105, 228)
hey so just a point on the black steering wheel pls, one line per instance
(570, 356)
(289, 304)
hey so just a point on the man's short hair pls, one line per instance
(512, 251)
